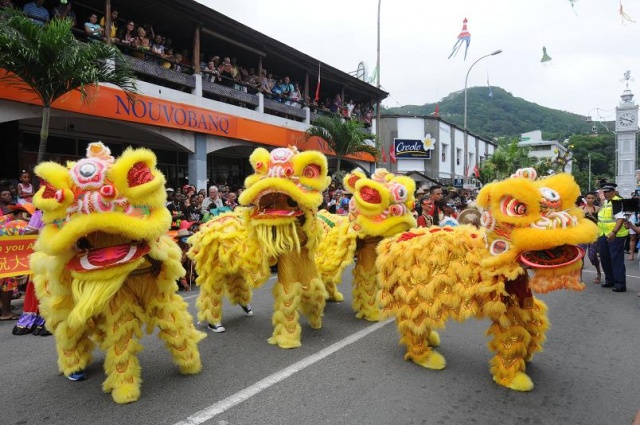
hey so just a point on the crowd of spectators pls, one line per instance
(141, 40)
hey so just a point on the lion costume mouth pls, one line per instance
(553, 257)
(115, 253)
(272, 204)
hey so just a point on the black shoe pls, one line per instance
(607, 285)
(619, 289)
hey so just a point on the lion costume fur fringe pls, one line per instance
(278, 225)
(429, 275)
(103, 266)
(380, 207)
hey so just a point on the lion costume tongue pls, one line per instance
(111, 256)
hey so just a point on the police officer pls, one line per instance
(611, 238)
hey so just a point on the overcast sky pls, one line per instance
(590, 44)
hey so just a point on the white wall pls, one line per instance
(458, 169)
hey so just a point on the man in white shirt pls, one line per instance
(213, 201)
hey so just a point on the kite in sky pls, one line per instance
(624, 15)
(545, 56)
(463, 37)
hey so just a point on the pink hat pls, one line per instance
(185, 225)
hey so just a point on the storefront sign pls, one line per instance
(411, 148)
(14, 255)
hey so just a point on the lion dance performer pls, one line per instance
(104, 266)
(432, 274)
(233, 252)
(380, 207)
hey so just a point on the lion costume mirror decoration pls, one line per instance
(380, 207)
(232, 252)
(429, 275)
(104, 266)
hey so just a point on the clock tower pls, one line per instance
(626, 129)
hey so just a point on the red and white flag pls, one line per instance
(392, 152)
(476, 171)
(317, 98)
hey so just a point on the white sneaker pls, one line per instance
(216, 327)
(247, 310)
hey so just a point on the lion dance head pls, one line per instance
(380, 205)
(535, 223)
(283, 196)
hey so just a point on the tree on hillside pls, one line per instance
(343, 137)
(601, 148)
(506, 159)
(49, 62)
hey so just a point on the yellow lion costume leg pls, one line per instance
(517, 335)
(313, 300)
(239, 291)
(209, 301)
(537, 327)
(121, 365)
(366, 290)
(285, 319)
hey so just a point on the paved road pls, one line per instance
(351, 372)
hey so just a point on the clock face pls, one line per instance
(626, 119)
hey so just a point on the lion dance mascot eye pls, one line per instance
(528, 241)
(380, 207)
(232, 252)
(103, 266)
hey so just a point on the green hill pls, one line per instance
(497, 113)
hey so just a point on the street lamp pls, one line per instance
(466, 143)
(378, 141)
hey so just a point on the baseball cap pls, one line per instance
(169, 189)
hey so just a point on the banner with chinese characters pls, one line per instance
(14, 255)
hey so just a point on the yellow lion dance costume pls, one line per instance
(103, 267)
(232, 253)
(380, 207)
(431, 274)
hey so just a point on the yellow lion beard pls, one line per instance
(278, 239)
(92, 292)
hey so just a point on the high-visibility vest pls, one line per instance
(606, 222)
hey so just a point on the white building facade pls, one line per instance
(543, 149)
(433, 147)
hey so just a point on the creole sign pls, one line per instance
(414, 148)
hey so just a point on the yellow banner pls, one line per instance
(14, 255)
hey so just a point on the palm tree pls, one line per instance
(49, 62)
(343, 137)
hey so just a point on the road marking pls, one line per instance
(237, 398)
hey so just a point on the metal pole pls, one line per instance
(589, 156)
(378, 83)
(466, 141)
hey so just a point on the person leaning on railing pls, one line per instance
(92, 29)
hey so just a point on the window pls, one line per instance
(444, 152)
